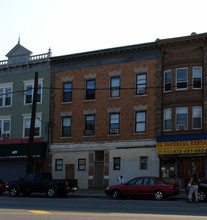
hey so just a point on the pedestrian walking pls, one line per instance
(193, 184)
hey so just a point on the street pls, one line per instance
(71, 207)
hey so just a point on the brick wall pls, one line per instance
(126, 102)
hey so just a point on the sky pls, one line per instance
(75, 26)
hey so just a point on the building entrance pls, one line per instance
(189, 166)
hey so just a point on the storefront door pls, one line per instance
(191, 166)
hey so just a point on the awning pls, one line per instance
(20, 151)
(182, 144)
(184, 137)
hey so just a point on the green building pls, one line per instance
(17, 77)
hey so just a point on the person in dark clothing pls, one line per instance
(193, 183)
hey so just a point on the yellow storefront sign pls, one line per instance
(181, 147)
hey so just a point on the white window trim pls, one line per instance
(186, 79)
(31, 82)
(5, 86)
(164, 81)
(6, 118)
(193, 77)
(164, 119)
(176, 125)
(29, 116)
(201, 117)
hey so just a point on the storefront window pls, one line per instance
(168, 168)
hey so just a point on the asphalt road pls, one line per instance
(39, 207)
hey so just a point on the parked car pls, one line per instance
(2, 186)
(41, 183)
(143, 186)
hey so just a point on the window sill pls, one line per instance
(90, 100)
(66, 102)
(141, 95)
(140, 133)
(66, 137)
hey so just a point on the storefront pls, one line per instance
(14, 158)
(181, 156)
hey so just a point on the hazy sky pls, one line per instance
(73, 26)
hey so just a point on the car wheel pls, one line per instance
(116, 194)
(158, 195)
(51, 192)
(201, 195)
(13, 191)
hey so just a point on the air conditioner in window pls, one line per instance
(114, 131)
(89, 132)
(5, 135)
(181, 127)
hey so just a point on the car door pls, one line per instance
(148, 186)
(27, 183)
(133, 187)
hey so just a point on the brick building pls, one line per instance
(182, 146)
(103, 108)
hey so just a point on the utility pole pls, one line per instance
(32, 125)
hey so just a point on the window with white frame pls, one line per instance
(143, 163)
(181, 118)
(29, 90)
(182, 78)
(141, 84)
(66, 126)
(197, 77)
(67, 92)
(90, 89)
(115, 87)
(89, 125)
(59, 164)
(5, 95)
(167, 119)
(197, 117)
(27, 123)
(5, 128)
(168, 80)
(140, 122)
(114, 123)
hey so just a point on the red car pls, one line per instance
(2, 186)
(143, 186)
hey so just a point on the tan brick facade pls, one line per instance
(126, 105)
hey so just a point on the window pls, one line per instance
(181, 118)
(29, 93)
(143, 163)
(149, 181)
(82, 164)
(89, 125)
(141, 84)
(5, 96)
(5, 128)
(27, 123)
(182, 78)
(115, 87)
(197, 76)
(114, 123)
(90, 89)
(168, 80)
(66, 126)
(197, 117)
(67, 92)
(136, 181)
(58, 164)
(140, 125)
(117, 163)
(167, 119)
